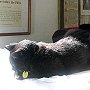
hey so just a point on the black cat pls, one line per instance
(30, 59)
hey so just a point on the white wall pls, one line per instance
(44, 22)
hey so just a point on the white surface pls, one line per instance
(79, 81)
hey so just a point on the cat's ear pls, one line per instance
(17, 54)
(11, 46)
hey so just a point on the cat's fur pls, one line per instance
(68, 55)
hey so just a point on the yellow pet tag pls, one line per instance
(25, 74)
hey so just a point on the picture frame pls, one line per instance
(85, 7)
(15, 17)
(68, 13)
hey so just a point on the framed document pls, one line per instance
(68, 13)
(85, 7)
(15, 17)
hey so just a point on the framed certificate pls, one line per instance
(68, 13)
(15, 17)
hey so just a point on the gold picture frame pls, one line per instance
(15, 17)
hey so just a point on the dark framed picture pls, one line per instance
(15, 17)
(68, 13)
(85, 7)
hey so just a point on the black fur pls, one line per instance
(68, 55)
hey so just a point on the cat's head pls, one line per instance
(21, 55)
